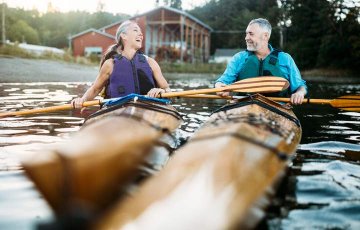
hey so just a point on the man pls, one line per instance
(261, 59)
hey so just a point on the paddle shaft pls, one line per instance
(279, 99)
(348, 102)
(199, 91)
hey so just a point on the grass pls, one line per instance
(16, 51)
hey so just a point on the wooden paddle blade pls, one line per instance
(263, 84)
(250, 85)
(37, 110)
(348, 103)
(47, 109)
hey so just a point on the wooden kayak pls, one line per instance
(222, 178)
(91, 169)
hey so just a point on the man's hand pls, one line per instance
(297, 98)
(222, 94)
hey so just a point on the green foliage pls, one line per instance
(317, 33)
(323, 33)
(94, 58)
(230, 15)
(15, 50)
(53, 28)
(22, 32)
(173, 3)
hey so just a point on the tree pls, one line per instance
(353, 32)
(22, 32)
(322, 33)
(233, 16)
(177, 4)
(308, 26)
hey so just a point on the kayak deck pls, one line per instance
(93, 167)
(222, 177)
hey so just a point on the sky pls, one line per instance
(130, 7)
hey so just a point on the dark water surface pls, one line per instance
(321, 190)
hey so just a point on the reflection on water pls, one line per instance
(321, 191)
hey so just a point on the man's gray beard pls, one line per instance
(252, 48)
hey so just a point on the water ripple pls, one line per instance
(338, 215)
(330, 146)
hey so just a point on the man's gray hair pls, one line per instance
(263, 23)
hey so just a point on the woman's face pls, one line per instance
(133, 36)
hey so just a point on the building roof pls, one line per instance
(226, 52)
(179, 12)
(92, 30)
(159, 8)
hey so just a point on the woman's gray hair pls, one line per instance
(263, 23)
(113, 49)
(122, 29)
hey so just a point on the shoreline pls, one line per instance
(18, 70)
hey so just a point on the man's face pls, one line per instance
(256, 38)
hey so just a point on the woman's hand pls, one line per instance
(155, 92)
(77, 103)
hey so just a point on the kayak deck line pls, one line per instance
(282, 156)
(143, 105)
(266, 105)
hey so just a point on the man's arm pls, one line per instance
(298, 97)
(297, 84)
(231, 72)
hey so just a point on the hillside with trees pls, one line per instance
(317, 33)
(53, 28)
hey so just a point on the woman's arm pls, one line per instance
(98, 84)
(160, 81)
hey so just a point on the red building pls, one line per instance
(169, 34)
(91, 41)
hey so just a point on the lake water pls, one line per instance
(321, 189)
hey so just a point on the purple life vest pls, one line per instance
(130, 76)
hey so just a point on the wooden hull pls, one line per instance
(91, 169)
(221, 177)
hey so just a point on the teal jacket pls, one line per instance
(245, 64)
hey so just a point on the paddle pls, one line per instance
(348, 102)
(48, 109)
(264, 84)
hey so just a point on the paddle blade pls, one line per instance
(347, 103)
(46, 109)
(264, 84)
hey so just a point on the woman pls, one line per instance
(124, 70)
